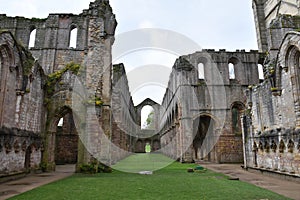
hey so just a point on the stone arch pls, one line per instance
(204, 127)
(261, 146)
(254, 150)
(139, 146)
(29, 158)
(289, 61)
(32, 37)
(232, 67)
(27, 161)
(8, 81)
(267, 146)
(201, 63)
(273, 146)
(291, 146)
(214, 118)
(62, 147)
(281, 146)
(237, 108)
(73, 35)
(155, 106)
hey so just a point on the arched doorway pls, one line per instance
(204, 128)
(62, 142)
(66, 143)
(27, 163)
(139, 147)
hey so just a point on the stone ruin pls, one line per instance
(242, 117)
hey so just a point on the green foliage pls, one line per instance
(94, 101)
(150, 120)
(43, 166)
(95, 167)
(88, 168)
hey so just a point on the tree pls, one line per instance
(149, 123)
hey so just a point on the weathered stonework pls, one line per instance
(271, 125)
(215, 108)
(35, 98)
(20, 107)
(192, 103)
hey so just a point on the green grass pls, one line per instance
(143, 162)
(172, 182)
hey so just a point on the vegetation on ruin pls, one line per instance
(172, 182)
(56, 76)
(94, 167)
(94, 101)
(28, 63)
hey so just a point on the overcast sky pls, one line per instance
(212, 24)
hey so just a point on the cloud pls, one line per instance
(146, 24)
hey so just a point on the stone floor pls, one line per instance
(286, 188)
(12, 188)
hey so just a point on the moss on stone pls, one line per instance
(28, 63)
(56, 77)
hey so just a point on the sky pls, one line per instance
(212, 24)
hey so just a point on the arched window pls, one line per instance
(147, 117)
(260, 72)
(73, 37)
(236, 111)
(61, 122)
(231, 71)
(32, 38)
(201, 71)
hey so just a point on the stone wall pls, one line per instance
(21, 107)
(265, 12)
(189, 101)
(124, 127)
(41, 100)
(272, 130)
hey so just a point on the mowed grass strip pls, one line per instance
(172, 182)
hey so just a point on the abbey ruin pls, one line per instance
(216, 106)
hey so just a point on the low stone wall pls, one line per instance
(276, 151)
(19, 150)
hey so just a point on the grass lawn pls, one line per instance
(172, 182)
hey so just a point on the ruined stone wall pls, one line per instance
(124, 125)
(21, 107)
(188, 98)
(272, 127)
(20, 150)
(42, 101)
(52, 39)
(273, 20)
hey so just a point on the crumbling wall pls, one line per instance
(124, 124)
(272, 127)
(189, 98)
(21, 107)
